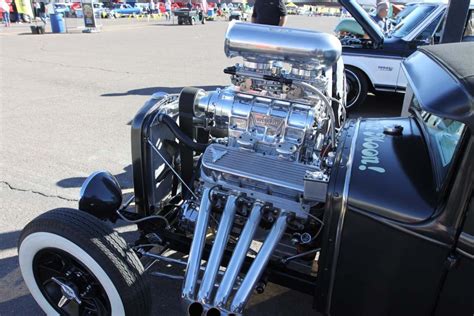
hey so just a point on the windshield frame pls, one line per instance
(442, 174)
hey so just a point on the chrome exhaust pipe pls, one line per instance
(195, 253)
(213, 312)
(240, 252)
(220, 242)
(258, 266)
(195, 309)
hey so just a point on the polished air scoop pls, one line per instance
(263, 43)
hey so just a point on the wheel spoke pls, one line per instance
(71, 308)
(50, 271)
(63, 301)
(53, 290)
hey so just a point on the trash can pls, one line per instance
(57, 23)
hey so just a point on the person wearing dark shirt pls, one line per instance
(271, 12)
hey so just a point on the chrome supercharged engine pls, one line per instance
(254, 162)
(275, 125)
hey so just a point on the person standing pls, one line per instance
(381, 16)
(17, 13)
(168, 9)
(36, 8)
(5, 12)
(271, 12)
(42, 12)
(151, 7)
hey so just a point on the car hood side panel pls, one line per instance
(392, 175)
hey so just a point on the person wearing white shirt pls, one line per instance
(5, 12)
(168, 9)
(152, 6)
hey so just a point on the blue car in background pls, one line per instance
(62, 9)
(124, 9)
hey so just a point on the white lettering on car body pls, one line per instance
(370, 154)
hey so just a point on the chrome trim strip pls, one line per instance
(464, 253)
(399, 226)
(373, 56)
(340, 224)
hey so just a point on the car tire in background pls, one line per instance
(73, 263)
(357, 87)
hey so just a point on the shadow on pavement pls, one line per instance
(125, 180)
(9, 240)
(15, 299)
(149, 91)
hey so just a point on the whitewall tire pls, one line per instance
(69, 249)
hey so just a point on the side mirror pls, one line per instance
(101, 195)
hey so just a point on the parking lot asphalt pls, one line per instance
(66, 104)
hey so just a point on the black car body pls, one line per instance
(401, 219)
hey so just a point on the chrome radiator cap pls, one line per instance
(262, 43)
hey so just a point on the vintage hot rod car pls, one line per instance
(263, 181)
(191, 17)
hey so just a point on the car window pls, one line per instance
(469, 31)
(432, 30)
(444, 137)
(405, 12)
(418, 15)
(469, 223)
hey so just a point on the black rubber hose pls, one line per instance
(180, 135)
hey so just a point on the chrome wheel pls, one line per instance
(356, 87)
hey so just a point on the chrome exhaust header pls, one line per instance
(220, 242)
(258, 266)
(235, 264)
(197, 246)
(203, 302)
